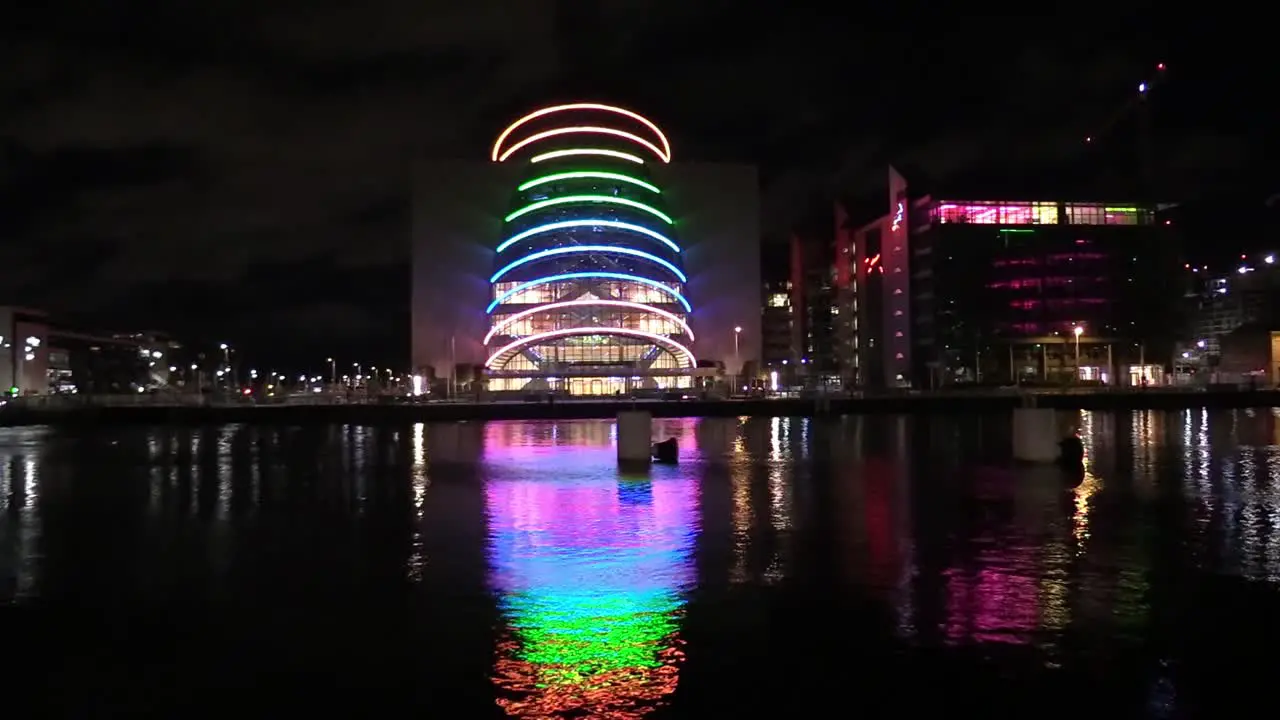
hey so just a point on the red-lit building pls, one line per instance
(948, 290)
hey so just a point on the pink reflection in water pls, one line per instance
(592, 437)
(593, 513)
(998, 602)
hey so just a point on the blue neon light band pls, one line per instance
(593, 274)
(589, 223)
(575, 249)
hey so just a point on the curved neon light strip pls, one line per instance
(662, 138)
(583, 129)
(575, 249)
(564, 224)
(625, 277)
(609, 199)
(639, 307)
(554, 154)
(584, 174)
(659, 340)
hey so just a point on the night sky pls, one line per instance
(240, 170)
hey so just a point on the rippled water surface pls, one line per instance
(814, 568)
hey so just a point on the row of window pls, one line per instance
(1056, 303)
(1053, 259)
(1038, 213)
(587, 287)
(594, 211)
(589, 186)
(625, 240)
(546, 322)
(1056, 281)
(597, 351)
(1066, 329)
(597, 386)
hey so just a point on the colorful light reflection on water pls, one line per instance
(591, 569)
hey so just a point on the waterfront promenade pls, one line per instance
(202, 409)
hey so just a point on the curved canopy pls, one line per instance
(506, 352)
(591, 302)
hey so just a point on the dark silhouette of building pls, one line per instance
(775, 302)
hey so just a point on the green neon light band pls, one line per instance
(608, 199)
(589, 174)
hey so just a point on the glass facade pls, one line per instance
(1037, 213)
(588, 283)
(994, 281)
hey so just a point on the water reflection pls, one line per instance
(20, 528)
(591, 568)
(772, 533)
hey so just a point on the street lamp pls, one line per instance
(737, 364)
(226, 362)
(333, 371)
(1078, 331)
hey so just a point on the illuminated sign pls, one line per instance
(897, 218)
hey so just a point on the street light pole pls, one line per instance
(333, 373)
(226, 364)
(1078, 332)
(453, 367)
(737, 360)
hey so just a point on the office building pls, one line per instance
(814, 312)
(581, 260)
(41, 355)
(1223, 302)
(775, 308)
(953, 289)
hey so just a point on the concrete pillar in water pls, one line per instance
(635, 437)
(1035, 434)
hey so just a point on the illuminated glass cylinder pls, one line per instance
(588, 287)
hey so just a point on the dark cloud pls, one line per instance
(161, 159)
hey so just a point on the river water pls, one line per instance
(814, 568)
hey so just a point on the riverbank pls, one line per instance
(90, 413)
